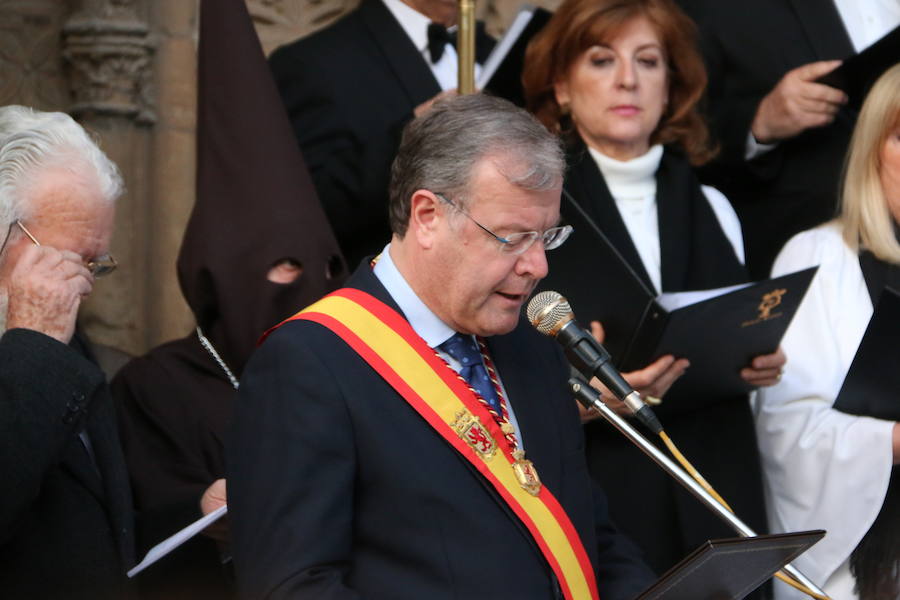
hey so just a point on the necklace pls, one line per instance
(524, 470)
(207, 345)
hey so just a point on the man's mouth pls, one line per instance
(513, 297)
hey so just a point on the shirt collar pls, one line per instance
(414, 23)
(424, 322)
(630, 179)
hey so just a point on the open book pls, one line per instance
(718, 331)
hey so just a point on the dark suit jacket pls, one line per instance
(65, 529)
(748, 47)
(715, 433)
(349, 90)
(339, 489)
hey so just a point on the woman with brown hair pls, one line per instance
(621, 79)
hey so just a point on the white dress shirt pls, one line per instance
(415, 24)
(425, 323)
(823, 469)
(632, 184)
(867, 21)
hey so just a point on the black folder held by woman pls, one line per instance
(720, 335)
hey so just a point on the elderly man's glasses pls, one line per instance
(518, 243)
(99, 266)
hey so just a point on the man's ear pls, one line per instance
(425, 215)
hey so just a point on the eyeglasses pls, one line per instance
(98, 266)
(520, 242)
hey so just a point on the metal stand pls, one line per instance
(465, 47)
(590, 398)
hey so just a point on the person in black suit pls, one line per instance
(782, 135)
(349, 90)
(65, 513)
(341, 487)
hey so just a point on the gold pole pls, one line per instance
(465, 47)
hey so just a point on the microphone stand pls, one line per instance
(590, 398)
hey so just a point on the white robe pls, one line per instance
(823, 469)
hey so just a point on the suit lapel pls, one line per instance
(824, 28)
(405, 60)
(526, 391)
(533, 425)
(116, 488)
(601, 207)
(674, 222)
(78, 462)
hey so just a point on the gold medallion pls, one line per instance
(476, 435)
(526, 473)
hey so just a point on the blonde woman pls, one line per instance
(825, 468)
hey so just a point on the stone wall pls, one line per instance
(126, 69)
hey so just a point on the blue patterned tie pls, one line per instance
(464, 349)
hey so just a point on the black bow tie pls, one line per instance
(438, 37)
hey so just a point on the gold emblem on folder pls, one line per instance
(767, 304)
(473, 433)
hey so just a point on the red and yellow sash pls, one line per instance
(386, 341)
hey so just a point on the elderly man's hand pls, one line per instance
(45, 289)
(653, 381)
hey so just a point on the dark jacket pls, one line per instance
(748, 47)
(715, 433)
(339, 489)
(349, 90)
(65, 519)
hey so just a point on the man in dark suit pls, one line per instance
(349, 90)
(782, 135)
(342, 484)
(65, 511)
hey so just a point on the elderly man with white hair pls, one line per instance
(65, 512)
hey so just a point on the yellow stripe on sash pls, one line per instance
(388, 343)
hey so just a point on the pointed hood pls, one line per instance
(255, 201)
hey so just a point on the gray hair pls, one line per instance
(32, 141)
(439, 150)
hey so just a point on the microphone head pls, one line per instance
(549, 311)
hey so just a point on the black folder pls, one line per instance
(506, 80)
(730, 569)
(857, 73)
(719, 336)
(870, 386)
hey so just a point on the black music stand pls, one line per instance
(729, 569)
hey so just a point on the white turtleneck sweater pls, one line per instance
(632, 184)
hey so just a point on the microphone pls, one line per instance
(549, 312)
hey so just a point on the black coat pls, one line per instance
(349, 90)
(716, 434)
(66, 523)
(339, 489)
(748, 47)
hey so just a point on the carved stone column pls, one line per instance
(108, 53)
